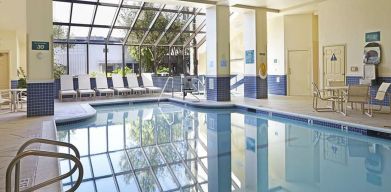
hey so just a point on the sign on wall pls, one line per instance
(372, 36)
(249, 56)
(40, 45)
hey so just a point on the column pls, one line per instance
(218, 59)
(255, 45)
(256, 155)
(39, 27)
(219, 152)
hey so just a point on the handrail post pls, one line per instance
(172, 87)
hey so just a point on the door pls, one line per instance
(334, 64)
(4, 71)
(299, 72)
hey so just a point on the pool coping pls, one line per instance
(311, 120)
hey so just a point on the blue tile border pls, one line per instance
(14, 84)
(221, 88)
(40, 99)
(276, 87)
(255, 87)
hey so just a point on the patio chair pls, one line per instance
(336, 83)
(323, 96)
(102, 87)
(5, 99)
(118, 85)
(382, 94)
(148, 83)
(133, 84)
(66, 83)
(84, 82)
(357, 94)
(22, 98)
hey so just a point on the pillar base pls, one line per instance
(218, 88)
(40, 99)
(255, 87)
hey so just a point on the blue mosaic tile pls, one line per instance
(255, 87)
(40, 99)
(277, 88)
(14, 84)
(327, 124)
(301, 119)
(221, 91)
(357, 130)
(237, 83)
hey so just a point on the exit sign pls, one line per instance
(40, 45)
(373, 36)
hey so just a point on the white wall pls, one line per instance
(275, 44)
(347, 21)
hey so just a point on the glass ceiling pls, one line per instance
(127, 22)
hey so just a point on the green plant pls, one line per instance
(22, 78)
(163, 70)
(120, 71)
(59, 70)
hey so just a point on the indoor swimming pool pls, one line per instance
(148, 147)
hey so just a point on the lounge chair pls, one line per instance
(133, 84)
(102, 87)
(148, 83)
(66, 83)
(118, 85)
(85, 86)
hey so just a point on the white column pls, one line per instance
(218, 58)
(255, 45)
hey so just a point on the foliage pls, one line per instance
(119, 71)
(162, 69)
(22, 78)
(59, 70)
(149, 60)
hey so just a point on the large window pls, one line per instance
(104, 37)
(77, 59)
(96, 59)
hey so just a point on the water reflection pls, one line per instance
(172, 148)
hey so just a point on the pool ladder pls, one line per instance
(22, 154)
(164, 88)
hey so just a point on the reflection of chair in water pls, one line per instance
(188, 87)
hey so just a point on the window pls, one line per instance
(96, 60)
(77, 59)
(114, 60)
(130, 61)
(60, 59)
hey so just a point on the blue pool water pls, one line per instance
(148, 148)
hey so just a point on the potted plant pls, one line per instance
(22, 84)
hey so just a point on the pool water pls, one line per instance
(170, 147)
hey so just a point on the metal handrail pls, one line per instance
(199, 82)
(164, 87)
(51, 181)
(48, 182)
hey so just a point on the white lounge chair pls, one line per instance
(102, 87)
(148, 83)
(85, 86)
(118, 85)
(66, 83)
(133, 84)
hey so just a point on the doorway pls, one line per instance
(334, 65)
(299, 72)
(4, 72)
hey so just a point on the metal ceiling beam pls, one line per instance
(134, 22)
(114, 21)
(123, 6)
(199, 28)
(69, 24)
(92, 21)
(152, 24)
(201, 42)
(185, 26)
(169, 25)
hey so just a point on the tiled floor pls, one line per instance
(16, 128)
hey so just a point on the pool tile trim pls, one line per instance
(371, 131)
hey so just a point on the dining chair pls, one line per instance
(336, 83)
(322, 95)
(357, 94)
(5, 99)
